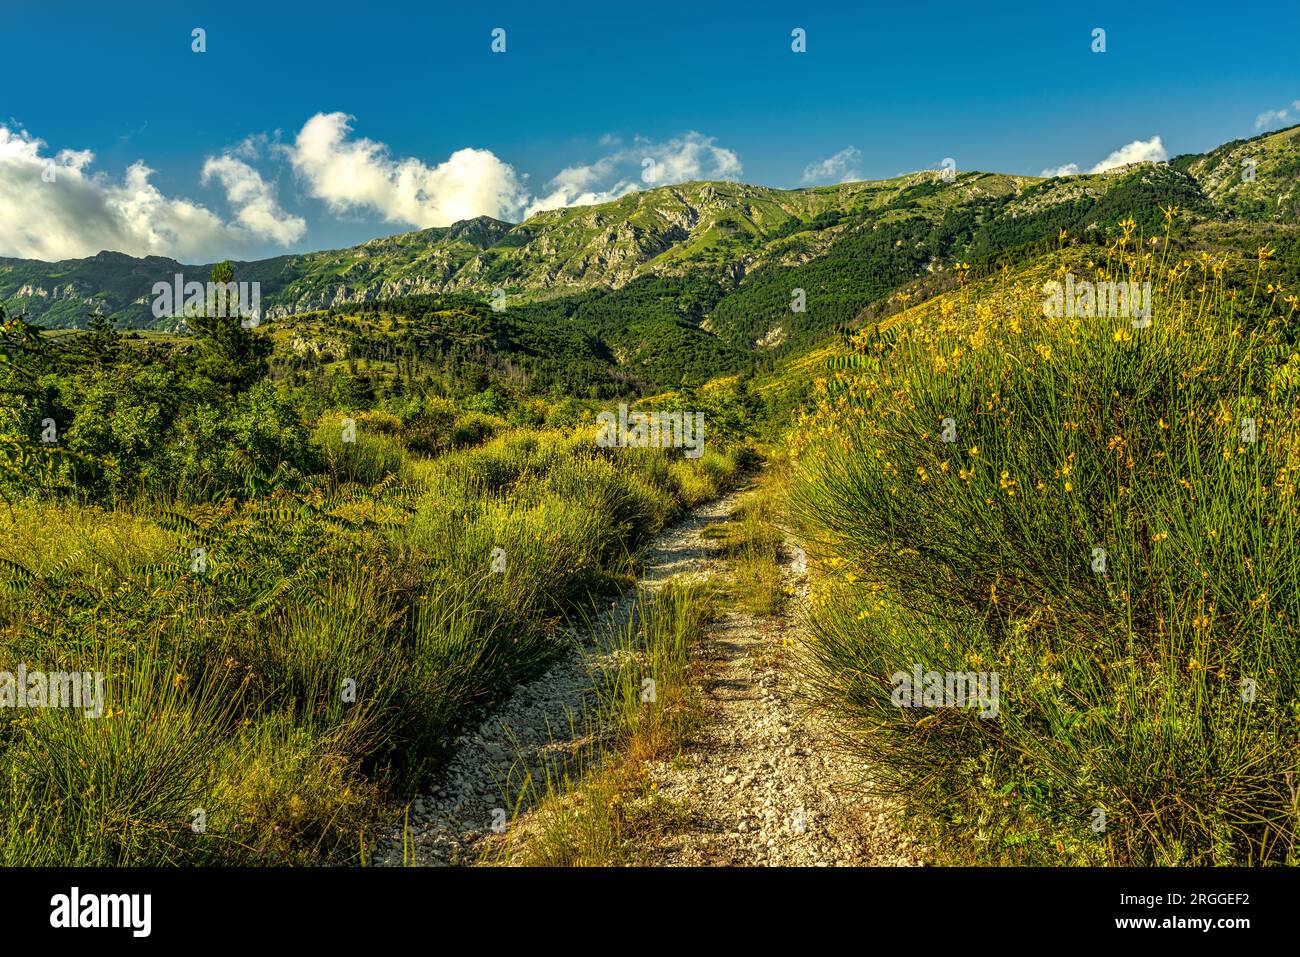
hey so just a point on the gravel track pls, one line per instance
(760, 782)
(543, 725)
(763, 781)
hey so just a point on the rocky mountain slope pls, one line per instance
(730, 236)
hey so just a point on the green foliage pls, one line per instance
(235, 679)
(1123, 681)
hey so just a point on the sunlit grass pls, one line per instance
(324, 653)
(1160, 690)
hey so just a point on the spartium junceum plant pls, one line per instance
(1097, 505)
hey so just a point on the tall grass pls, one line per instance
(337, 636)
(647, 708)
(1149, 695)
(752, 540)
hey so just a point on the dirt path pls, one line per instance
(542, 726)
(763, 781)
(760, 782)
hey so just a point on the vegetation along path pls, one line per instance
(759, 781)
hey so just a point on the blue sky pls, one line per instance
(704, 90)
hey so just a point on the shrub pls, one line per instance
(1123, 674)
(368, 460)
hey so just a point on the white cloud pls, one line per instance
(357, 174)
(81, 213)
(1139, 151)
(256, 211)
(840, 168)
(644, 164)
(1278, 117)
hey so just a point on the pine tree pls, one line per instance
(101, 344)
(228, 354)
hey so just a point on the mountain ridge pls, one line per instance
(725, 230)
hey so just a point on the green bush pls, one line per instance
(1156, 683)
(366, 457)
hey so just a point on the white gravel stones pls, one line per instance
(762, 783)
(539, 728)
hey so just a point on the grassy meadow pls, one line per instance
(296, 611)
(1099, 510)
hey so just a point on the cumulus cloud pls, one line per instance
(1139, 151)
(53, 207)
(354, 174)
(257, 213)
(73, 212)
(840, 168)
(1278, 117)
(1069, 169)
(644, 164)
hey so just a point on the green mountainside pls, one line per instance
(697, 279)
